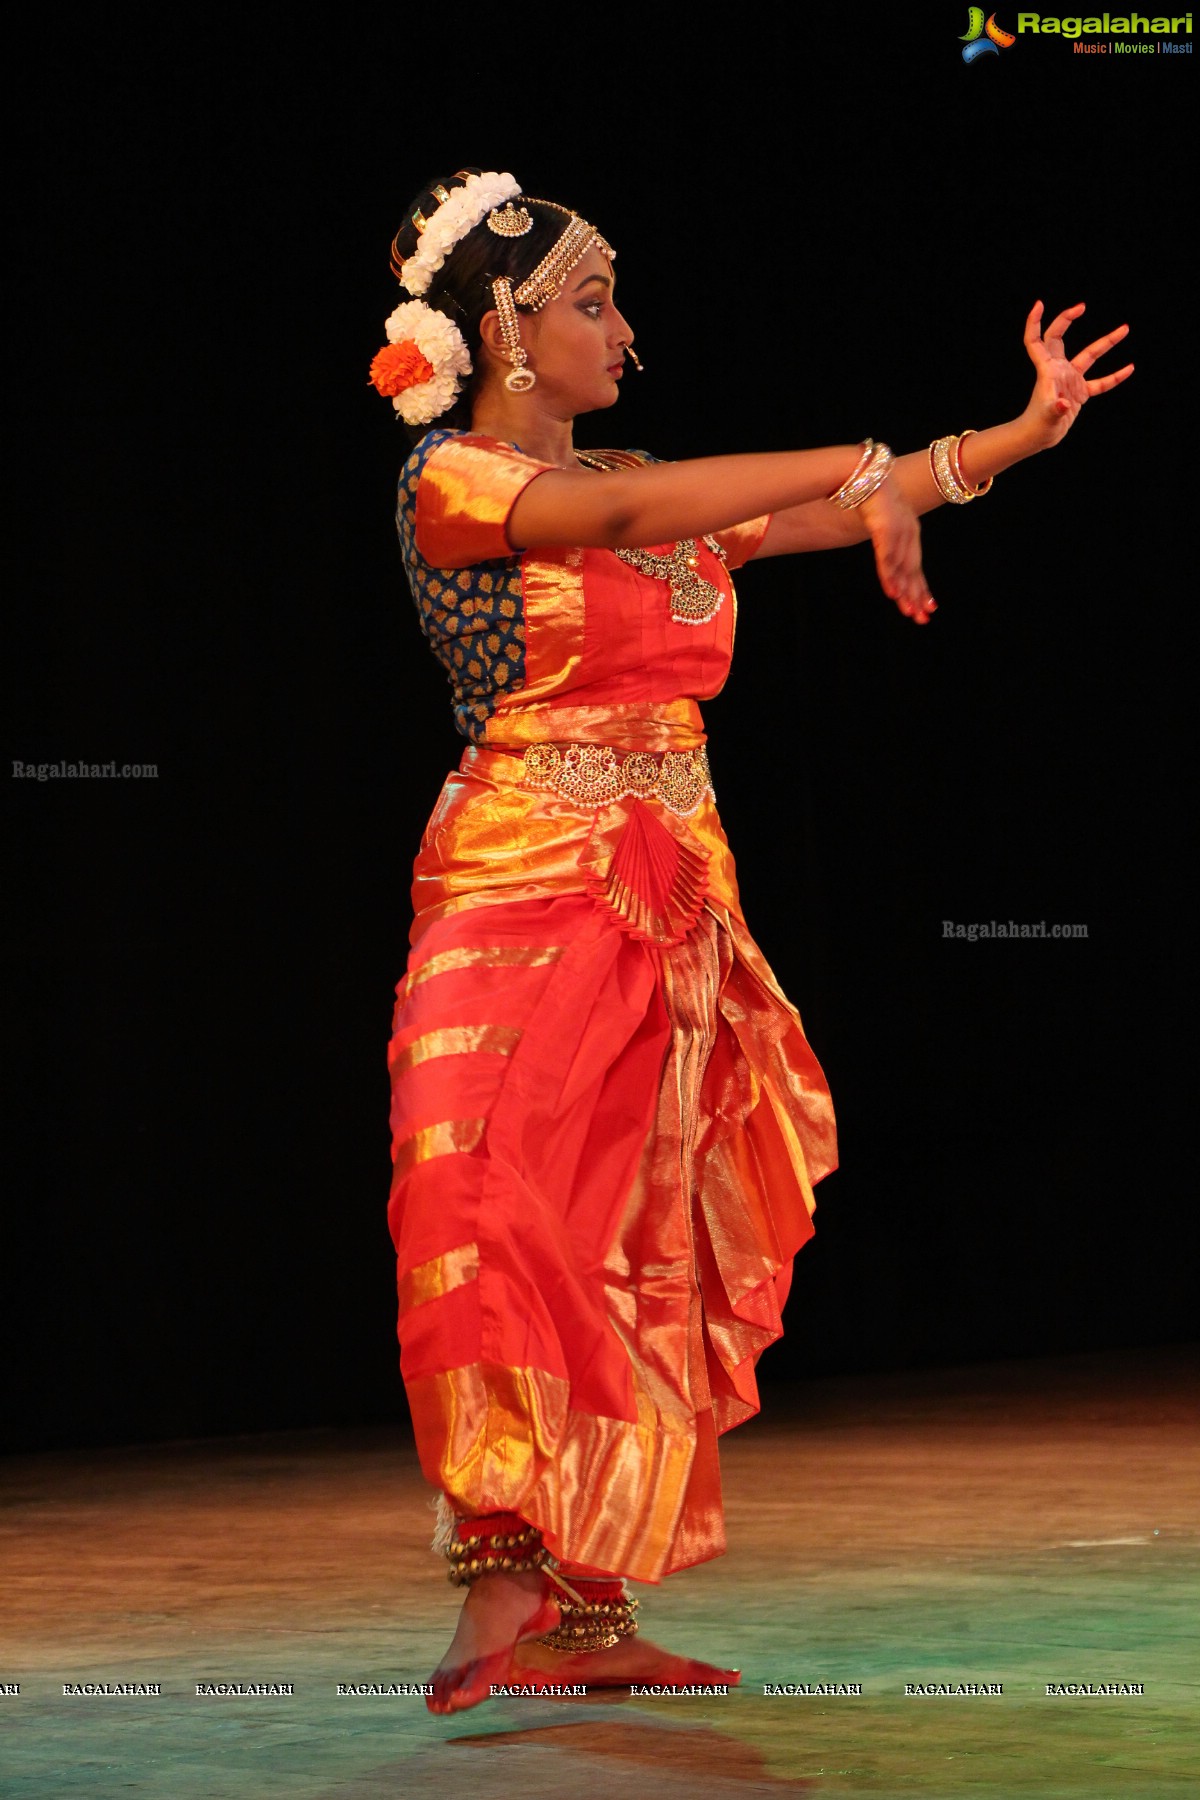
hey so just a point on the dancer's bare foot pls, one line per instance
(498, 1611)
(634, 1660)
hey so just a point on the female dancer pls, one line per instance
(607, 1122)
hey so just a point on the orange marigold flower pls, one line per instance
(400, 366)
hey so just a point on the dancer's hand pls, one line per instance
(1062, 386)
(896, 537)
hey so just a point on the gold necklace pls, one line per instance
(595, 463)
(693, 599)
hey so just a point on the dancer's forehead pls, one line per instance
(593, 274)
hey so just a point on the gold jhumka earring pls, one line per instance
(519, 379)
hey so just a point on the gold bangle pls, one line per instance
(949, 485)
(872, 470)
(856, 471)
(974, 492)
(952, 484)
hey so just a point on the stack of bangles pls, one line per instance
(947, 471)
(872, 470)
(875, 465)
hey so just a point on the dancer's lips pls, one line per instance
(617, 369)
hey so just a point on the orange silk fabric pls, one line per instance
(465, 497)
(468, 490)
(605, 1145)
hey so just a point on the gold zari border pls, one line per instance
(472, 956)
(440, 1275)
(455, 1040)
(442, 1139)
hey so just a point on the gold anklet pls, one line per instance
(599, 1624)
(498, 1544)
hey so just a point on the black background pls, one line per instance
(823, 230)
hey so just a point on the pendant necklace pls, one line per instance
(693, 599)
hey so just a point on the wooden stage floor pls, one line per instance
(1025, 1524)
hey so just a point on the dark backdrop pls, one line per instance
(824, 234)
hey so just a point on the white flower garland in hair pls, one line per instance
(443, 346)
(454, 218)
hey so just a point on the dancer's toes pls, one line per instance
(456, 1689)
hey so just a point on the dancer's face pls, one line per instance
(576, 344)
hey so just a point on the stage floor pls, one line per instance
(1025, 1524)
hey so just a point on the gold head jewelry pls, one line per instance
(545, 283)
(508, 221)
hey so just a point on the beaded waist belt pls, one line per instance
(594, 774)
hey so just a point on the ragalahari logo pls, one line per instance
(981, 39)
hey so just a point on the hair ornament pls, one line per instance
(424, 363)
(457, 215)
(510, 221)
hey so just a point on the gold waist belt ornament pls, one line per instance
(593, 775)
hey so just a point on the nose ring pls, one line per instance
(631, 353)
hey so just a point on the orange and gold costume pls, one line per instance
(606, 1120)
